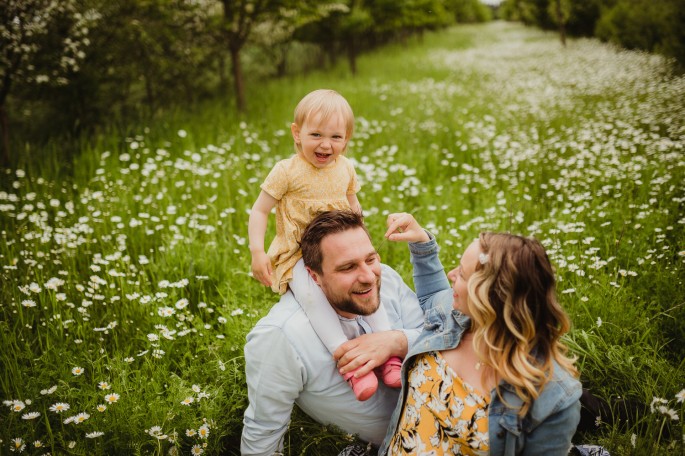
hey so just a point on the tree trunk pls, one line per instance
(562, 23)
(352, 55)
(238, 86)
(149, 94)
(4, 126)
(281, 60)
(223, 80)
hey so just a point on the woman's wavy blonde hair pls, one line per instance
(517, 320)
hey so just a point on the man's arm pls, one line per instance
(275, 377)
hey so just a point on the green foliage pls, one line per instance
(469, 11)
(633, 24)
(641, 24)
(130, 260)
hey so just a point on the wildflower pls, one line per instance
(633, 440)
(95, 434)
(104, 385)
(112, 398)
(653, 407)
(188, 400)
(237, 312)
(156, 431)
(81, 417)
(77, 371)
(54, 283)
(203, 432)
(568, 291)
(680, 397)
(166, 311)
(18, 445)
(181, 303)
(152, 337)
(672, 414)
(71, 444)
(30, 416)
(196, 450)
(28, 303)
(16, 406)
(129, 359)
(158, 353)
(35, 287)
(59, 407)
(191, 432)
(599, 321)
(197, 388)
(50, 390)
(101, 408)
(38, 444)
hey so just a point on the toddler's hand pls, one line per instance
(261, 268)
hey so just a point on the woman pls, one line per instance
(489, 374)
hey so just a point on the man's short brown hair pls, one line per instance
(324, 224)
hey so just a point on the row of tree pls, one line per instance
(82, 63)
(654, 26)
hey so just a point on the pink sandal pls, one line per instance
(363, 387)
(391, 372)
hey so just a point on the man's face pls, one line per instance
(351, 273)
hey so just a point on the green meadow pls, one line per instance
(125, 288)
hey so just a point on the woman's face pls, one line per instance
(460, 277)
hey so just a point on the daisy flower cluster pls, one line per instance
(129, 280)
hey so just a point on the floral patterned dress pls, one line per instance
(442, 413)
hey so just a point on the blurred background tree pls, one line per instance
(42, 43)
(633, 24)
(70, 67)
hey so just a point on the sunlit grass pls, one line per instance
(131, 262)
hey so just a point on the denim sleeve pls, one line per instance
(429, 275)
(553, 436)
(275, 376)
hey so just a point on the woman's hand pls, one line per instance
(403, 227)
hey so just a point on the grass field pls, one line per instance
(125, 286)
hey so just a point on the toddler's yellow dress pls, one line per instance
(303, 191)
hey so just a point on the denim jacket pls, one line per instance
(547, 427)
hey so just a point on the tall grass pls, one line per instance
(126, 270)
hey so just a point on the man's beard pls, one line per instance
(346, 304)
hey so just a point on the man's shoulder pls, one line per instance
(286, 315)
(388, 271)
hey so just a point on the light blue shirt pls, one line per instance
(287, 364)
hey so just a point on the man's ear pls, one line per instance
(313, 274)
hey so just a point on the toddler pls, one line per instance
(317, 178)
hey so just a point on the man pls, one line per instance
(287, 364)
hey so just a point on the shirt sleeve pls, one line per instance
(354, 186)
(276, 183)
(275, 377)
